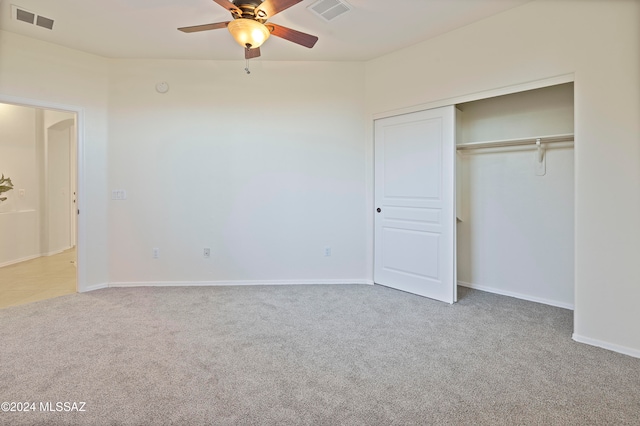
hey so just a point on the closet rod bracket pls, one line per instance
(540, 150)
(540, 163)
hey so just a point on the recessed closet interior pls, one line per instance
(515, 198)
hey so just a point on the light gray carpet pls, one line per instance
(321, 355)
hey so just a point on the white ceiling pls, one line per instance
(148, 28)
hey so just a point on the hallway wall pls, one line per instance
(19, 213)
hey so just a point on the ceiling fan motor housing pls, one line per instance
(248, 8)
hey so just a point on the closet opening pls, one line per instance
(515, 195)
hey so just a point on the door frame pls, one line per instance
(81, 281)
(69, 125)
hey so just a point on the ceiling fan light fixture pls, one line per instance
(248, 33)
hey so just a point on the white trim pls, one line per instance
(34, 103)
(33, 256)
(22, 259)
(18, 212)
(506, 90)
(94, 287)
(606, 345)
(235, 283)
(56, 251)
(81, 274)
(502, 292)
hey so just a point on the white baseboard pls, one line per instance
(31, 257)
(606, 345)
(22, 259)
(56, 251)
(93, 287)
(517, 295)
(235, 283)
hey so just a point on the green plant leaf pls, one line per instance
(7, 180)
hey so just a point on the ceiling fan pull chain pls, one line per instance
(247, 67)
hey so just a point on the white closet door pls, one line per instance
(415, 203)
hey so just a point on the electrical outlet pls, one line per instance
(156, 253)
(206, 253)
(327, 251)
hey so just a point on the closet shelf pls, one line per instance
(567, 137)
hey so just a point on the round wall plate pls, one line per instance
(162, 87)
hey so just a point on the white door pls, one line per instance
(415, 203)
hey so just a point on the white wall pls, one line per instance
(19, 222)
(599, 41)
(540, 112)
(52, 117)
(517, 238)
(265, 169)
(18, 156)
(52, 74)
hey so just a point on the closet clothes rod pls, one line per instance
(568, 137)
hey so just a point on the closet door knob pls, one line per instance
(378, 209)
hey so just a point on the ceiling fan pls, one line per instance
(249, 26)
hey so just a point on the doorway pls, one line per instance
(38, 218)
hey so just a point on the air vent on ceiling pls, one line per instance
(20, 14)
(24, 16)
(44, 22)
(329, 9)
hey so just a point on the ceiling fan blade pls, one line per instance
(303, 39)
(229, 6)
(205, 27)
(268, 8)
(251, 53)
